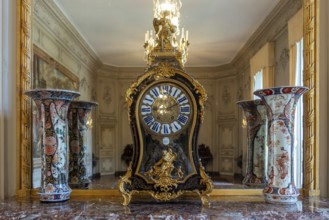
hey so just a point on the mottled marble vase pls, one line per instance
(52, 112)
(281, 104)
(78, 115)
(255, 113)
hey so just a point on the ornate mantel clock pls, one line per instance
(166, 109)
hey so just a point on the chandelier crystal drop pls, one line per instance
(164, 40)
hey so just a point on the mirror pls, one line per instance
(110, 91)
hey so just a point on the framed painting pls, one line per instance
(50, 74)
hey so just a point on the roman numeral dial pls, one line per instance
(165, 109)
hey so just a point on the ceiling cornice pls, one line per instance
(268, 31)
(275, 23)
(113, 72)
(83, 51)
(226, 70)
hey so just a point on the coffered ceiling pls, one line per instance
(115, 29)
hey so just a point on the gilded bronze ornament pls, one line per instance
(161, 172)
(123, 185)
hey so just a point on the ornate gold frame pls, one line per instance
(24, 82)
(69, 76)
(311, 103)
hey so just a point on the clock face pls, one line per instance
(165, 109)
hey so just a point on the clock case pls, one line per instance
(165, 187)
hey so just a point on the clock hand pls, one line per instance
(172, 106)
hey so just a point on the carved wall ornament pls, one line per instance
(283, 62)
(83, 83)
(107, 96)
(226, 96)
(93, 94)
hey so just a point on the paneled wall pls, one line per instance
(227, 125)
(219, 130)
(107, 121)
(112, 117)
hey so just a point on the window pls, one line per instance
(298, 133)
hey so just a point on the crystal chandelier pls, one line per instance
(163, 41)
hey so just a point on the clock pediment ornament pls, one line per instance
(165, 110)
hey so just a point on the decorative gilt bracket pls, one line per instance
(204, 195)
(123, 184)
(164, 183)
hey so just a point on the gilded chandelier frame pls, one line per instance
(24, 82)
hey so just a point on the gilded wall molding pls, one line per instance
(311, 148)
(24, 82)
(24, 66)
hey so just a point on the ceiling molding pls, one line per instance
(275, 23)
(115, 29)
(272, 27)
(113, 72)
(223, 71)
(70, 39)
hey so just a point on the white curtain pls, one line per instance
(298, 133)
(264, 61)
(295, 35)
(258, 82)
